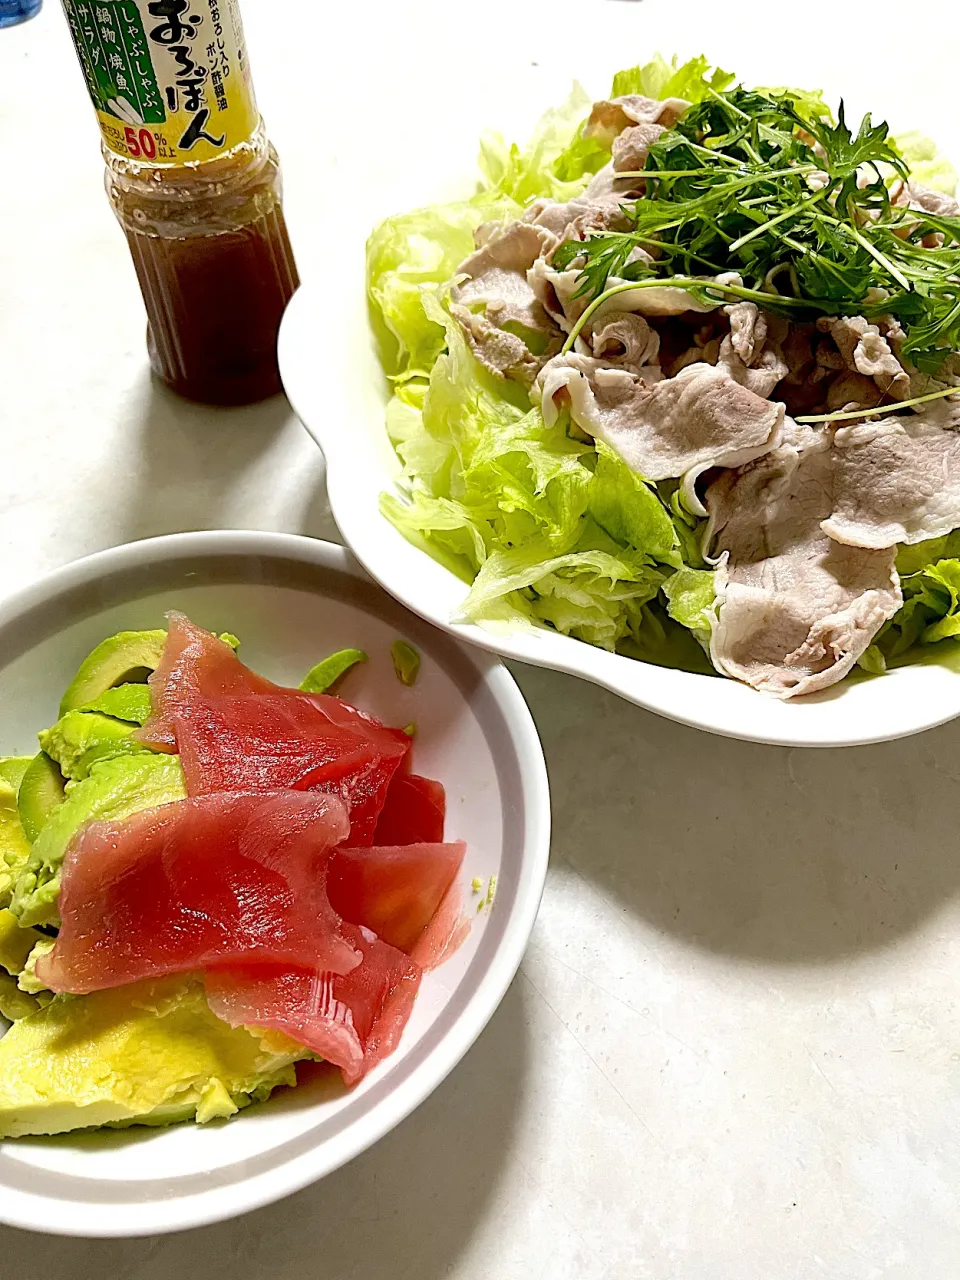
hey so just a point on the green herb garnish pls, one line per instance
(801, 207)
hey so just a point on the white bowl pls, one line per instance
(292, 601)
(331, 373)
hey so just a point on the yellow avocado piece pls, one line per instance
(152, 1053)
(15, 943)
(14, 1003)
(14, 845)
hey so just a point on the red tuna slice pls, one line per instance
(266, 742)
(194, 664)
(238, 732)
(200, 882)
(277, 741)
(447, 931)
(395, 891)
(369, 793)
(353, 1020)
(414, 811)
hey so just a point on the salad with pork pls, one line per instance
(681, 381)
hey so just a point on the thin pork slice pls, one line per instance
(795, 609)
(897, 478)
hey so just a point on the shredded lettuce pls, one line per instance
(548, 528)
(930, 579)
(691, 601)
(557, 161)
(927, 165)
(412, 250)
(694, 80)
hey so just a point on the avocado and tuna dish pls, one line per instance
(205, 879)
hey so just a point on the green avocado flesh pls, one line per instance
(39, 795)
(130, 702)
(115, 788)
(80, 738)
(14, 1003)
(16, 942)
(152, 1054)
(326, 674)
(112, 662)
(12, 769)
(14, 845)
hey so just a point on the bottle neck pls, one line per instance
(244, 162)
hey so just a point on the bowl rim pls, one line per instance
(846, 714)
(33, 1212)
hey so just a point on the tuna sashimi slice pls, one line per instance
(236, 731)
(200, 883)
(353, 1020)
(395, 891)
(414, 811)
(267, 742)
(367, 792)
(195, 664)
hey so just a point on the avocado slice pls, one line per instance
(12, 769)
(27, 979)
(151, 1053)
(14, 845)
(14, 1003)
(113, 661)
(40, 793)
(326, 673)
(115, 788)
(80, 738)
(16, 943)
(130, 702)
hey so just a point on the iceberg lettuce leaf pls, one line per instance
(557, 162)
(691, 600)
(693, 80)
(413, 250)
(927, 165)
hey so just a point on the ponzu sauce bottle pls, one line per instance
(196, 186)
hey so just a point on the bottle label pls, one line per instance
(169, 78)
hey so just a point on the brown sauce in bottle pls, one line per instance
(213, 258)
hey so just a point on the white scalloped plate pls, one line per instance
(291, 600)
(332, 375)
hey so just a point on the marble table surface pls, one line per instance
(733, 1049)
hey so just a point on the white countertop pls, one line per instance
(732, 1052)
